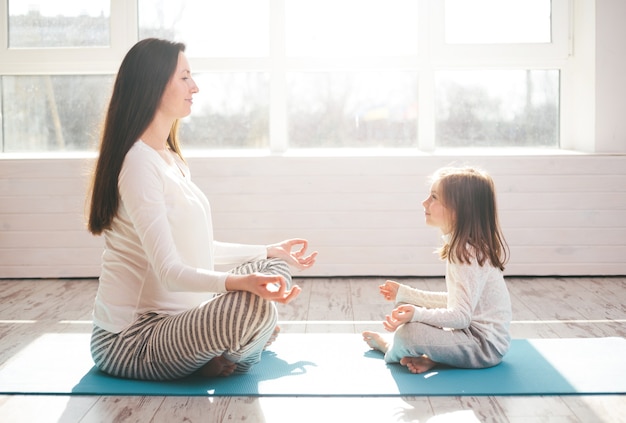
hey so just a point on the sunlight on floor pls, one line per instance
(461, 416)
(63, 357)
(354, 409)
(348, 409)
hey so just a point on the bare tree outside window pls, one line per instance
(59, 23)
(53, 113)
(230, 111)
(299, 74)
(507, 108)
(352, 110)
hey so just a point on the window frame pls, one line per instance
(432, 55)
(71, 60)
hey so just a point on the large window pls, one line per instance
(297, 74)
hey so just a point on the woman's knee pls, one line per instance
(259, 312)
(279, 267)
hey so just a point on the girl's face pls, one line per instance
(177, 98)
(436, 214)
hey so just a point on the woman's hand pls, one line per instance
(399, 316)
(284, 250)
(268, 287)
(389, 290)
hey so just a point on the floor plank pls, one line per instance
(542, 308)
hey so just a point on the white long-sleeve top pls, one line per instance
(476, 297)
(160, 254)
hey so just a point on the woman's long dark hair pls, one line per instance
(139, 86)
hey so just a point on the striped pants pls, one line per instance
(236, 325)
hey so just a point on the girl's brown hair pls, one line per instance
(469, 195)
(139, 86)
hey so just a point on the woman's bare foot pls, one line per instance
(218, 366)
(376, 341)
(418, 364)
(273, 337)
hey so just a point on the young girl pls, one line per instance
(467, 326)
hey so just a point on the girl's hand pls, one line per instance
(268, 287)
(399, 316)
(389, 290)
(297, 258)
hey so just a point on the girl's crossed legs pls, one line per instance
(420, 347)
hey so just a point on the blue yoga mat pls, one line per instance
(335, 365)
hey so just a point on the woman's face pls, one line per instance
(435, 212)
(177, 97)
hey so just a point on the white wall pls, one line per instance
(610, 83)
(563, 214)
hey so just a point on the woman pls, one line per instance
(162, 311)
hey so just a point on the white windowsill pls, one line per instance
(325, 153)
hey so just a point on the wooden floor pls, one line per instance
(542, 308)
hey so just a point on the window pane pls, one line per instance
(230, 111)
(508, 108)
(331, 28)
(497, 21)
(209, 28)
(53, 113)
(366, 109)
(59, 23)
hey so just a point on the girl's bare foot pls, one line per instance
(418, 364)
(376, 341)
(273, 337)
(218, 366)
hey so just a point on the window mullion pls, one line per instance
(4, 33)
(427, 23)
(124, 26)
(278, 141)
